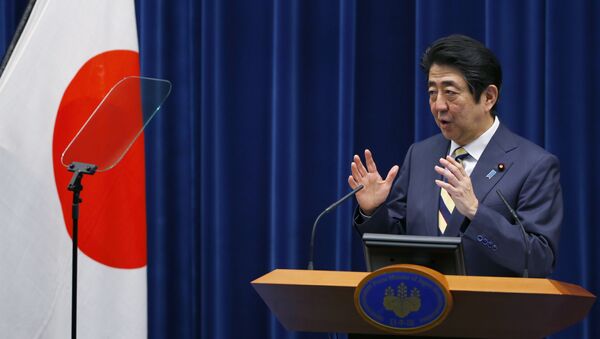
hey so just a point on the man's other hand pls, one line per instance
(375, 189)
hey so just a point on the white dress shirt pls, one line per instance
(476, 147)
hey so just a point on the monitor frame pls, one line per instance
(443, 254)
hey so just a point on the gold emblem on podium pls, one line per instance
(403, 298)
(401, 303)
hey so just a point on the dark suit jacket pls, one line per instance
(493, 243)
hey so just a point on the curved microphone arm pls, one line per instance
(327, 210)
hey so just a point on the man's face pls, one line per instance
(457, 114)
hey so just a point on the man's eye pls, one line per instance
(451, 95)
(432, 94)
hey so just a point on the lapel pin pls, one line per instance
(491, 174)
(501, 167)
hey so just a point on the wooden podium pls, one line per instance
(483, 307)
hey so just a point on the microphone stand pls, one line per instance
(78, 169)
(327, 210)
(523, 233)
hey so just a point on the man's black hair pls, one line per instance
(477, 63)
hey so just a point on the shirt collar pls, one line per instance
(477, 146)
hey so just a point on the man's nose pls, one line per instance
(440, 104)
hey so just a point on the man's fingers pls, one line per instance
(459, 167)
(355, 172)
(353, 184)
(454, 168)
(392, 174)
(447, 173)
(359, 166)
(370, 162)
(442, 184)
(451, 165)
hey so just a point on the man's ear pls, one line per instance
(490, 97)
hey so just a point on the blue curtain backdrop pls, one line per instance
(273, 97)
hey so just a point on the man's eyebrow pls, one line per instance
(445, 83)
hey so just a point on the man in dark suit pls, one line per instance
(447, 184)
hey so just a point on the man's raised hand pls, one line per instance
(376, 189)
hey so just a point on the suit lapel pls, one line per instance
(486, 173)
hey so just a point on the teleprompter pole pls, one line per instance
(78, 169)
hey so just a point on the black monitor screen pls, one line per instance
(443, 254)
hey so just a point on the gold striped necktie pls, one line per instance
(446, 202)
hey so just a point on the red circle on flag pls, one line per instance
(112, 216)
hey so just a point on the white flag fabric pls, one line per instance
(69, 55)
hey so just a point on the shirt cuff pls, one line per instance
(367, 217)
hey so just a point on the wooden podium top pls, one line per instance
(485, 307)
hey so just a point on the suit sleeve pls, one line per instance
(390, 217)
(539, 205)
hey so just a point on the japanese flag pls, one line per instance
(67, 57)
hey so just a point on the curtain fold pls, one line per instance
(271, 98)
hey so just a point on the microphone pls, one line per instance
(327, 210)
(527, 245)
